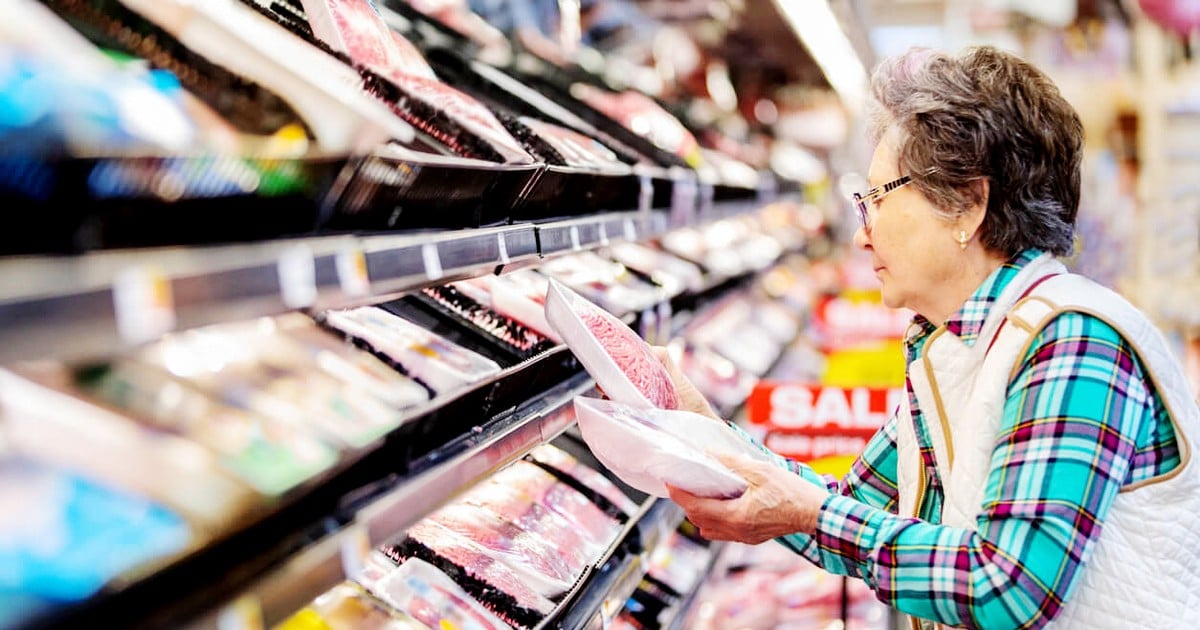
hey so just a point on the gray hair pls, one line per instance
(985, 114)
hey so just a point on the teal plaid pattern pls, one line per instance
(1082, 420)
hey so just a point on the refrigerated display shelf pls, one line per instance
(438, 452)
(92, 305)
(374, 517)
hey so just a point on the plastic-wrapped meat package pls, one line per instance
(472, 304)
(511, 299)
(439, 363)
(561, 498)
(513, 545)
(354, 27)
(349, 606)
(271, 454)
(674, 274)
(353, 366)
(604, 281)
(421, 590)
(652, 448)
(325, 92)
(252, 367)
(620, 361)
(515, 505)
(642, 115)
(560, 460)
(576, 148)
(496, 584)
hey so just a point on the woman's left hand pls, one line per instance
(778, 502)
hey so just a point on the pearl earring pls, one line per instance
(962, 240)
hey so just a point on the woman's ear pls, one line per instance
(972, 219)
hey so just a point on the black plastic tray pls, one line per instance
(72, 205)
(382, 193)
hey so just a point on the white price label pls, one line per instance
(354, 551)
(142, 304)
(645, 193)
(574, 232)
(244, 613)
(352, 272)
(630, 230)
(298, 276)
(603, 234)
(502, 244)
(433, 261)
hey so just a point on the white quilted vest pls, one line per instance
(1144, 570)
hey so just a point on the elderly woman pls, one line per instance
(1040, 469)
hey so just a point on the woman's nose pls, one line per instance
(861, 238)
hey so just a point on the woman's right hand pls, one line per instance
(690, 398)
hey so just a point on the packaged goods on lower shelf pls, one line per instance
(349, 606)
(560, 460)
(64, 537)
(767, 586)
(430, 596)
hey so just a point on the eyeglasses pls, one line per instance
(875, 194)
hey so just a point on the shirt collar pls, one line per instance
(967, 322)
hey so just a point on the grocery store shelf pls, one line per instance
(442, 473)
(574, 235)
(597, 602)
(679, 612)
(87, 306)
(437, 477)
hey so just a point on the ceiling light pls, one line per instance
(819, 31)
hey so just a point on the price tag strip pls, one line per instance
(352, 272)
(142, 304)
(502, 246)
(298, 276)
(433, 261)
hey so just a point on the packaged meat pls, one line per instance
(642, 115)
(355, 28)
(351, 365)
(511, 544)
(45, 417)
(508, 297)
(604, 281)
(679, 562)
(419, 589)
(349, 606)
(562, 499)
(272, 454)
(575, 148)
(651, 448)
(64, 537)
(494, 583)
(439, 363)
(325, 92)
(563, 461)
(622, 364)
(468, 304)
(515, 505)
(674, 274)
(250, 366)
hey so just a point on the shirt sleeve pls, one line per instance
(1071, 414)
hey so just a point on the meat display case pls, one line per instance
(73, 308)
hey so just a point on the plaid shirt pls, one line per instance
(1080, 411)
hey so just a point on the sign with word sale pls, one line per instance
(809, 422)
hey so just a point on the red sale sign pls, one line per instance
(808, 422)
